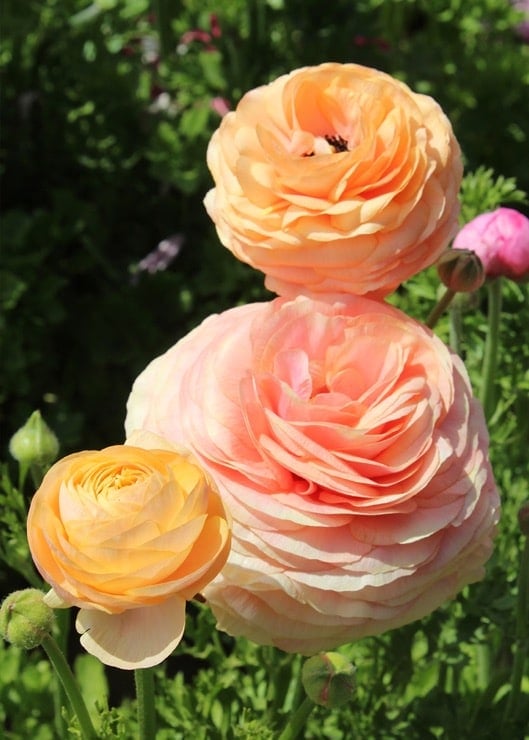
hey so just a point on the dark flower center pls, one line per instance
(339, 144)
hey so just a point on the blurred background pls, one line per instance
(107, 254)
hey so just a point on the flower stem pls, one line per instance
(62, 618)
(297, 721)
(71, 688)
(162, 12)
(144, 680)
(456, 329)
(490, 359)
(522, 635)
(440, 307)
(483, 665)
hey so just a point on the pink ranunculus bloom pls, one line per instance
(347, 445)
(500, 238)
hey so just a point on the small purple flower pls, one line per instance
(161, 257)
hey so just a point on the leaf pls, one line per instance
(93, 683)
(194, 121)
(210, 62)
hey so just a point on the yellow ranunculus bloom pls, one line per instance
(128, 534)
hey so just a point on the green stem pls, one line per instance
(164, 12)
(522, 635)
(62, 619)
(490, 359)
(71, 688)
(486, 698)
(456, 327)
(483, 665)
(144, 680)
(440, 308)
(297, 721)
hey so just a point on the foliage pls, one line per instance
(107, 115)
(108, 112)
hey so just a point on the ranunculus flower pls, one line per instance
(346, 442)
(128, 534)
(333, 180)
(500, 238)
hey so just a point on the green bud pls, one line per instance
(328, 679)
(461, 270)
(523, 518)
(34, 443)
(25, 619)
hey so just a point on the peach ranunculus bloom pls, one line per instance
(128, 534)
(333, 180)
(346, 442)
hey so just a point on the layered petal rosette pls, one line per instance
(335, 179)
(128, 534)
(347, 445)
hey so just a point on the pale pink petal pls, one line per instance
(354, 461)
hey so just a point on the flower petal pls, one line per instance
(137, 638)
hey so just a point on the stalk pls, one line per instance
(144, 680)
(440, 308)
(490, 359)
(297, 721)
(71, 688)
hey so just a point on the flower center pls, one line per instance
(338, 143)
(109, 480)
(328, 144)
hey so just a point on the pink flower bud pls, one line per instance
(500, 238)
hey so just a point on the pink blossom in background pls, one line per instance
(523, 27)
(195, 35)
(500, 238)
(346, 443)
(203, 37)
(214, 25)
(220, 106)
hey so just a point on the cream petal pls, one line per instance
(137, 638)
(54, 601)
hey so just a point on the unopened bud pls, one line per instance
(500, 238)
(328, 679)
(25, 619)
(523, 518)
(461, 270)
(34, 443)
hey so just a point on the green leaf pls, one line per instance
(211, 65)
(90, 674)
(194, 120)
